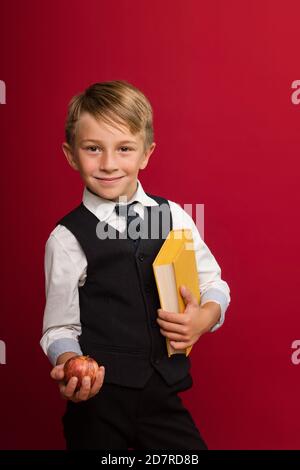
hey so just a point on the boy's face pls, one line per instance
(108, 158)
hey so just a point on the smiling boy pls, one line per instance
(108, 158)
(101, 295)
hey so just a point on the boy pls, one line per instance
(102, 299)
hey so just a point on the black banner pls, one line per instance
(136, 459)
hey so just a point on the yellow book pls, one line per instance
(174, 266)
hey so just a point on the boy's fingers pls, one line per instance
(85, 389)
(187, 296)
(99, 381)
(57, 373)
(69, 389)
(69, 392)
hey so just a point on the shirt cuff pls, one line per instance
(215, 295)
(60, 346)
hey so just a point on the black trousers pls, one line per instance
(121, 417)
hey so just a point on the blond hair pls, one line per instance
(115, 101)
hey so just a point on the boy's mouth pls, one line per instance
(109, 180)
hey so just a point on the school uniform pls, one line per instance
(138, 405)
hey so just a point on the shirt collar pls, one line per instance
(103, 208)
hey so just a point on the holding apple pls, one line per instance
(80, 366)
(79, 377)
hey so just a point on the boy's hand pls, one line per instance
(68, 390)
(184, 329)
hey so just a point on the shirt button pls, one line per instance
(141, 257)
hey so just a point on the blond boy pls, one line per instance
(102, 299)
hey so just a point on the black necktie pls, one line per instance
(130, 215)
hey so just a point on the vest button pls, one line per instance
(141, 257)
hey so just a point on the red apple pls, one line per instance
(80, 366)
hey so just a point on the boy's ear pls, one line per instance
(69, 155)
(147, 155)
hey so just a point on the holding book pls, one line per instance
(176, 275)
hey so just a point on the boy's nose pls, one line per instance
(108, 162)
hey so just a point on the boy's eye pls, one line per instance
(92, 148)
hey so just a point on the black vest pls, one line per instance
(119, 302)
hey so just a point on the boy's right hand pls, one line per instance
(68, 390)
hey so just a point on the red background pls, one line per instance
(219, 77)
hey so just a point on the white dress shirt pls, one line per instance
(66, 266)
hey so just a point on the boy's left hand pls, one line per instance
(184, 329)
